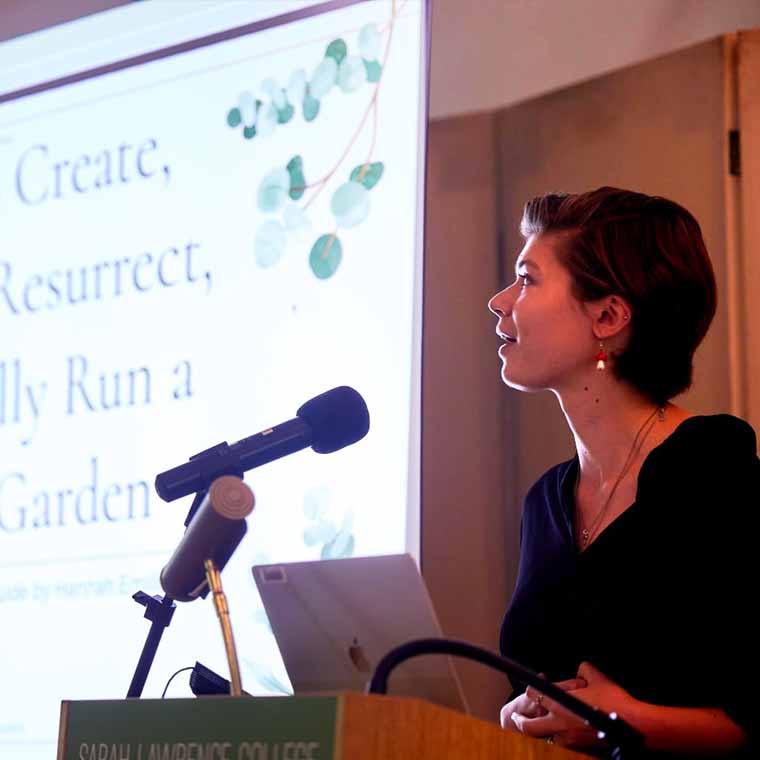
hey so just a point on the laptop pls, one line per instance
(335, 619)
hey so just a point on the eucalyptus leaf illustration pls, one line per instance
(323, 78)
(368, 174)
(284, 115)
(248, 106)
(351, 74)
(269, 244)
(319, 533)
(325, 256)
(370, 42)
(310, 106)
(337, 50)
(296, 88)
(282, 188)
(297, 185)
(267, 679)
(374, 70)
(341, 546)
(273, 190)
(267, 120)
(350, 204)
(277, 94)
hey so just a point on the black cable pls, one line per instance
(181, 670)
(625, 740)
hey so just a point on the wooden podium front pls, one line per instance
(343, 727)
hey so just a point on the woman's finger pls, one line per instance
(569, 685)
(533, 709)
(546, 725)
(522, 705)
(555, 707)
(572, 683)
(588, 672)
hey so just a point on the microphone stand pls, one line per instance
(626, 742)
(160, 612)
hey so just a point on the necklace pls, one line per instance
(588, 532)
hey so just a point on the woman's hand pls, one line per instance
(530, 705)
(559, 725)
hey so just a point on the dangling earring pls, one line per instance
(601, 357)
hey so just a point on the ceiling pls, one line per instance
(491, 53)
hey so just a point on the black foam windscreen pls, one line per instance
(338, 418)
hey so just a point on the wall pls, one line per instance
(657, 127)
(512, 50)
(463, 477)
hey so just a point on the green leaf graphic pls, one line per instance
(316, 502)
(296, 86)
(374, 70)
(247, 107)
(370, 42)
(319, 533)
(249, 132)
(337, 50)
(325, 256)
(324, 77)
(351, 74)
(341, 546)
(234, 117)
(275, 92)
(368, 174)
(273, 190)
(350, 204)
(310, 106)
(284, 115)
(266, 120)
(297, 180)
(263, 674)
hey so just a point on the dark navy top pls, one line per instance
(664, 601)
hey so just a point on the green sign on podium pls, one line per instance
(212, 728)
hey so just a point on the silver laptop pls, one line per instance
(335, 619)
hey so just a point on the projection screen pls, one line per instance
(209, 213)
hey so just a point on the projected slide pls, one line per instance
(191, 248)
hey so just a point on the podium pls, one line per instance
(346, 726)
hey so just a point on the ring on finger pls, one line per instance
(550, 739)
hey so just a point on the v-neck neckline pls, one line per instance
(567, 488)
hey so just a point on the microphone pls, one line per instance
(327, 423)
(214, 533)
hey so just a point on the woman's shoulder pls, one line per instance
(707, 459)
(709, 436)
(553, 488)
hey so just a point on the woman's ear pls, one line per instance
(609, 316)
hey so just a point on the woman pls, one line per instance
(635, 589)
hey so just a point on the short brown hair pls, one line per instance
(650, 251)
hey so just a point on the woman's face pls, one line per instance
(547, 333)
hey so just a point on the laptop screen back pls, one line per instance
(335, 619)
